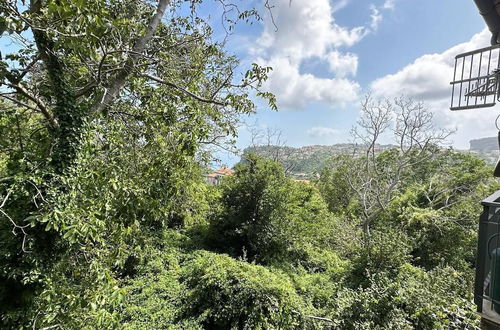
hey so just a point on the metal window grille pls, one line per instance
(475, 79)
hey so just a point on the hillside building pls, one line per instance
(214, 178)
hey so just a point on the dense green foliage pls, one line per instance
(106, 220)
(302, 161)
(267, 217)
(414, 272)
(281, 259)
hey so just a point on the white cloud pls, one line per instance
(307, 30)
(295, 90)
(427, 79)
(338, 5)
(376, 17)
(389, 4)
(304, 31)
(377, 12)
(342, 64)
(322, 132)
(428, 76)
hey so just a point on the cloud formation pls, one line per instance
(389, 4)
(376, 17)
(307, 30)
(428, 78)
(338, 5)
(322, 132)
(342, 64)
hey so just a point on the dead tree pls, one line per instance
(408, 124)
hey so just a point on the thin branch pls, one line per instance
(40, 104)
(19, 102)
(226, 81)
(16, 226)
(185, 91)
(28, 67)
(213, 140)
(269, 8)
(313, 317)
(51, 327)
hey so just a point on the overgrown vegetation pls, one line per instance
(106, 220)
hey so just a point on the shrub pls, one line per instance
(223, 293)
(413, 299)
(267, 217)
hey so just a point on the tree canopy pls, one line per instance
(106, 220)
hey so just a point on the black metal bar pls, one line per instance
(485, 105)
(480, 259)
(489, 67)
(493, 219)
(496, 82)
(470, 76)
(479, 72)
(497, 76)
(498, 61)
(477, 51)
(462, 78)
(470, 79)
(453, 85)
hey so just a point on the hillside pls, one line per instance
(485, 148)
(489, 143)
(305, 162)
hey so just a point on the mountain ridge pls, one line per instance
(305, 161)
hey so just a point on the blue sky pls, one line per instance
(327, 54)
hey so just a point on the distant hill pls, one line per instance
(485, 148)
(304, 162)
(489, 143)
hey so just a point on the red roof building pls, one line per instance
(214, 178)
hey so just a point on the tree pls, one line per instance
(378, 176)
(268, 218)
(441, 213)
(335, 185)
(105, 105)
(270, 144)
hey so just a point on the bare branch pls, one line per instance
(410, 124)
(14, 224)
(19, 102)
(269, 8)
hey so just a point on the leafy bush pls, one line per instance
(152, 295)
(266, 216)
(223, 293)
(385, 251)
(441, 214)
(413, 299)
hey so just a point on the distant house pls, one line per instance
(214, 178)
